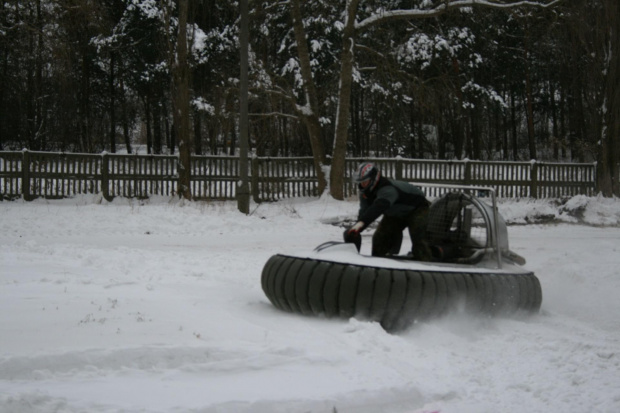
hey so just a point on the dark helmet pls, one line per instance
(367, 177)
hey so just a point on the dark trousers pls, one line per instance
(388, 237)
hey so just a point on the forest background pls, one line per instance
(438, 79)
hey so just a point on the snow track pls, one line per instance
(159, 308)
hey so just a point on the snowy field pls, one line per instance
(157, 307)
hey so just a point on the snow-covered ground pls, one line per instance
(157, 307)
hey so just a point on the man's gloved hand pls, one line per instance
(352, 235)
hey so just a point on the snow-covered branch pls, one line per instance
(302, 110)
(389, 15)
(273, 114)
(368, 49)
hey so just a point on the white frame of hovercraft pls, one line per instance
(495, 220)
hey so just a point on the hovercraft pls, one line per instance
(473, 271)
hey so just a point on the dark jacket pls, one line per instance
(390, 198)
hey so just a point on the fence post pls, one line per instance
(26, 175)
(254, 180)
(105, 176)
(534, 179)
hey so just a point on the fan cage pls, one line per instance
(466, 225)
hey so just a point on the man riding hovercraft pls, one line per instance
(402, 206)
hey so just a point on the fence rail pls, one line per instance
(59, 175)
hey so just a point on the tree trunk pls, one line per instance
(197, 132)
(609, 156)
(474, 135)
(181, 106)
(112, 104)
(213, 133)
(563, 152)
(147, 114)
(243, 186)
(412, 130)
(311, 116)
(232, 133)
(422, 138)
(531, 136)
(84, 110)
(505, 145)
(554, 122)
(124, 111)
(157, 132)
(337, 172)
(441, 138)
(39, 117)
(356, 124)
(469, 146)
(170, 136)
(497, 147)
(460, 128)
(284, 136)
(456, 123)
(513, 124)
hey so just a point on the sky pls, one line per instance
(157, 306)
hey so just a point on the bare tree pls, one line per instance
(336, 179)
(310, 111)
(385, 17)
(609, 49)
(181, 108)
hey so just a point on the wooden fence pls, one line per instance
(60, 175)
(509, 179)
